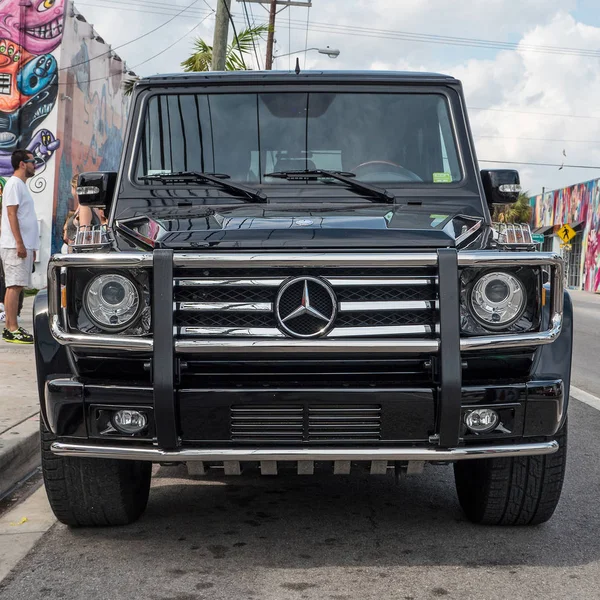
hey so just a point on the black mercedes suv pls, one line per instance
(301, 271)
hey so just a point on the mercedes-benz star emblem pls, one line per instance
(305, 307)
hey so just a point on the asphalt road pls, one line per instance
(336, 538)
(586, 353)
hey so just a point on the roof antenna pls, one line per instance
(297, 65)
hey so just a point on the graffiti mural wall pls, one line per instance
(30, 34)
(577, 205)
(61, 98)
(91, 117)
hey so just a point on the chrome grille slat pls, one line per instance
(224, 306)
(385, 306)
(339, 332)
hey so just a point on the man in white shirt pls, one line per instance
(19, 242)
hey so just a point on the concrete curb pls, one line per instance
(19, 452)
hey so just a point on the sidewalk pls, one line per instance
(19, 407)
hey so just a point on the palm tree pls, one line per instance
(201, 59)
(241, 46)
(519, 212)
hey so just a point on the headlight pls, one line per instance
(111, 301)
(497, 300)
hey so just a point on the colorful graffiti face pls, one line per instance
(17, 126)
(12, 57)
(37, 74)
(39, 25)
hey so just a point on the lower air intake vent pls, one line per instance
(344, 423)
(262, 423)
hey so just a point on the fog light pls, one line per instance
(482, 420)
(129, 421)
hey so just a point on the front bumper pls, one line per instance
(302, 454)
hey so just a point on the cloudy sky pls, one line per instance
(530, 68)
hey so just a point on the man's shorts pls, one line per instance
(17, 271)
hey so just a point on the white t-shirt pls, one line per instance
(16, 194)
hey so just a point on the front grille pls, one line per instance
(327, 423)
(345, 303)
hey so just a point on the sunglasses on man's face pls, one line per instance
(29, 160)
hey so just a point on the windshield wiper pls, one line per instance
(359, 186)
(214, 178)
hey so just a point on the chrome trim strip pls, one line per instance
(323, 346)
(368, 306)
(229, 282)
(269, 332)
(224, 306)
(324, 259)
(299, 454)
(102, 260)
(341, 332)
(133, 344)
(276, 282)
(379, 281)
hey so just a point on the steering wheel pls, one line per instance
(384, 166)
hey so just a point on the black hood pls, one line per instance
(254, 226)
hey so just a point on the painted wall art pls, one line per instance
(576, 205)
(30, 33)
(92, 117)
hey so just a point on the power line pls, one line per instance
(254, 25)
(536, 164)
(83, 62)
(250, 27)
(306, 41)
(530, 112)
(533, 139)
(236, 36)
(440, 39)
(171, 45)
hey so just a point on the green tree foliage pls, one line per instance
(519, 212)
(240, 47)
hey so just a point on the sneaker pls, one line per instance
(2, 316)
(17, 337)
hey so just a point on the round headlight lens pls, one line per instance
(111, 301)
(498, 300)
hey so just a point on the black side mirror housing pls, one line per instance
(501, 186)
(96, 189)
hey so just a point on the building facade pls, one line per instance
(579, 207)
(61, 98)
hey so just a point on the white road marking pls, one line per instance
(585, 397)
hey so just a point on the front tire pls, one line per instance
(512, 491)
(94, 492)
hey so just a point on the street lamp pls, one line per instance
(331, 52)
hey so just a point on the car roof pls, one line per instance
(258, 77)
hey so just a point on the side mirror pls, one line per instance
(96, 189)
(501, 186)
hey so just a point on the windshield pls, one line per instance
(383, 137)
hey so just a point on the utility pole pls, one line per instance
(273, 4)
(271, 35)
(220, 35)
